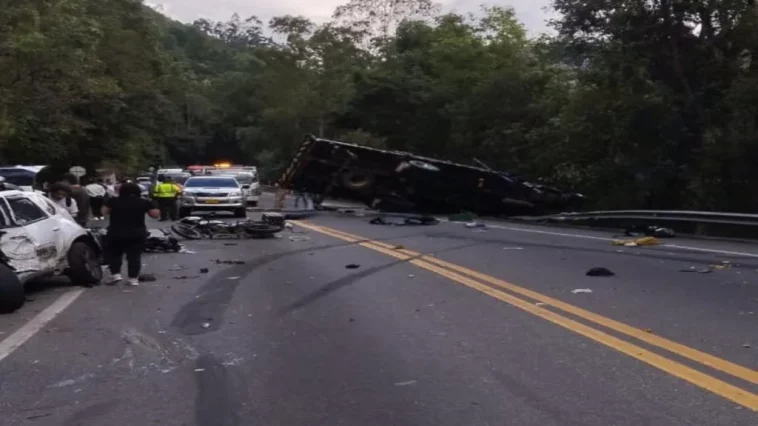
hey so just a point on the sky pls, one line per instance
(530, 12)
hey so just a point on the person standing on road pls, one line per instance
(97, 192)
(127, 231)
(301, 196)
(60, 194)
(80, 196)
(165, 194)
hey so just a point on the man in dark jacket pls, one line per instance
(79, 195)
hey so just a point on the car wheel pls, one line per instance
(239, 213)
(184, 212)
(84, 265)
(12, 295)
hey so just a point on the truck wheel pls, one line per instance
(240, 213)
(12, 296)
(357, 180)
(84, 265)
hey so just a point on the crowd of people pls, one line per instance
(126, 209)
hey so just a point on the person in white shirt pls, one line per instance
(97, 192)
(60, 194)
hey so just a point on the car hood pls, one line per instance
(210, 190)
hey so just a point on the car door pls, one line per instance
(34, 235)
(63, 225)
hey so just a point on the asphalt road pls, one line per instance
(437, 325)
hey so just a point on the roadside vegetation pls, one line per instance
(637, 104)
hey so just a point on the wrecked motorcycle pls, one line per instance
(159, 240)
(195, 228)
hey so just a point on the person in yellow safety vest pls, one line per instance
(165, 194)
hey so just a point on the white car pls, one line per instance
(249, 184)
(213, 193)
(39, 238)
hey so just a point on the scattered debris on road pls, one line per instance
(698, 270)
(145, 278)
(600, 272)
(233, 278)
(161, 241)
(645, 241)
(398, 247)
(581, 290)
(404, 220)
(299, 238)
(230, 262)
(746, 346)
(204, 270)
(408, 383)
(513, 248)
(649, 231)
(352, 266)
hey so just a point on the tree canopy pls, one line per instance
(638, 104)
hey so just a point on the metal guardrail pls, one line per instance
(743, 226)
(739, 219)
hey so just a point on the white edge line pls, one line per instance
(733, 253)
(28, 330)
(589, 237)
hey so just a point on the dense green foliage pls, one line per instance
(639, 104)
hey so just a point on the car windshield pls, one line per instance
(211, 183)
(18, 177)
(180, 179)
(244, 179)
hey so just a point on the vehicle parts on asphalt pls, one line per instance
(196, 228)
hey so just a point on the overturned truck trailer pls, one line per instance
(401, 182)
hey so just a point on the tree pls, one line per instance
(380, 18)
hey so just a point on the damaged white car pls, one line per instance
(37, 239)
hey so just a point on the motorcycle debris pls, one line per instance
(600, 272)
(352, 266)
(145, 278)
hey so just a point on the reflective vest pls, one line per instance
(165, 190)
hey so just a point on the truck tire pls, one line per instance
(84, 266)
(357, 181)
(12, 295)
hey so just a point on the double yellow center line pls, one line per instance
(506, 292)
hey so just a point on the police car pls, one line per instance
(38, 238)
